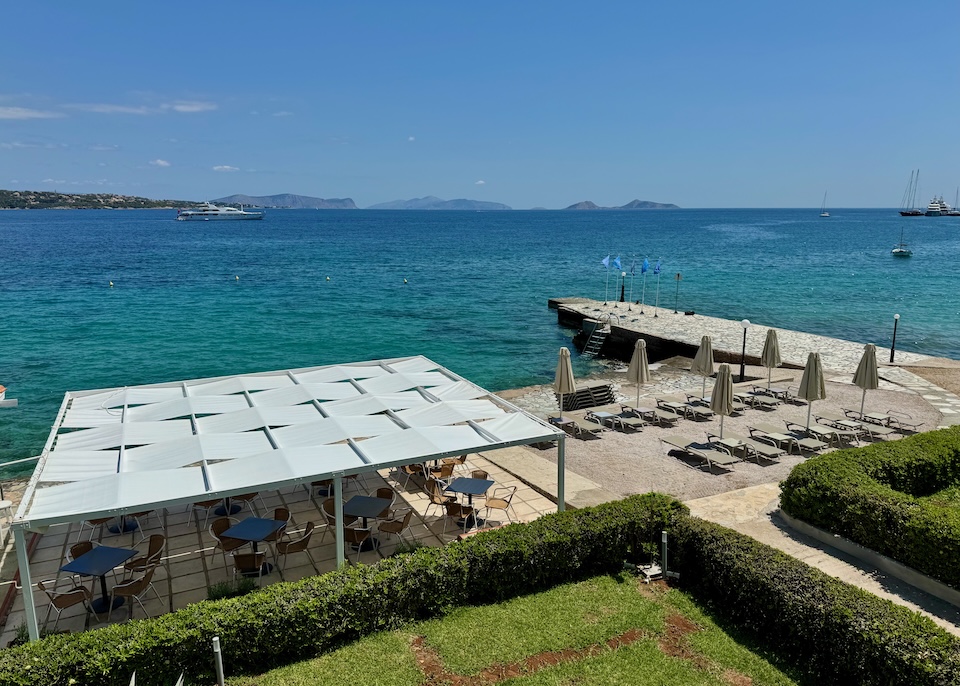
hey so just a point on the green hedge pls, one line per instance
(837, 633)
(874, 496)
(287, 622)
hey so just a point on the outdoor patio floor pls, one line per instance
(190, 564)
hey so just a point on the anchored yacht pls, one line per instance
(210, 212)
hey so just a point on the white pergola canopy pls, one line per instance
(132, 449)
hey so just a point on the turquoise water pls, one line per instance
(474, 301)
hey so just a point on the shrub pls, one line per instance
(876, 496)
(286, 622)
(231, 589)
(838, 633)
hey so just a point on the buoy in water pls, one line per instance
(404, 280)
(328, 278)
(111, 284)
(238, 278)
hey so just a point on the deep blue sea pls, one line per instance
(475, 299)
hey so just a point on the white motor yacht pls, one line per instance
(210, 212)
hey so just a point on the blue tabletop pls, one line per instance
(469, 486)
(365, 506)
(99, 561)
(254, 529)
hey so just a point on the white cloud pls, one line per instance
(225, 168)
(283, 113)
(104, 148)
(26, 113)
(191, 106)
(159, 163)
(107, 108)
(411, 138)
(481, 182)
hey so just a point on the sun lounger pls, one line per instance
(755, 400)
(840, 423)
(674, 406)
(903, 422)
(827, 434)
(708, 456)
(773, 435)
(652, 415)
(578, 427)
(699, 412)
(616, 419)
(892, 421)
(758, 448)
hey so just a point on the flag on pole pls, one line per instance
(616, 263)
(633, 268)
(606, 262)
(645, 266)
(656, 270)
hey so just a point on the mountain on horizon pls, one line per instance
(288, 201)
(434, 203)
(632, 205)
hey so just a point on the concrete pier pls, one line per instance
(668, 334)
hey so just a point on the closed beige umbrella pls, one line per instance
(811, 383)
(563, 382)
(721, 400)
(770, 357)
(639, 371)
(703, 362)
(866, 376)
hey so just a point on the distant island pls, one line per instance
(433, 203)
(288, 201)
(632, 205)
(52, 200)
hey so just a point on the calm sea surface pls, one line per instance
(474, 301)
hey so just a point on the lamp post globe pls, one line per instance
(745, 323)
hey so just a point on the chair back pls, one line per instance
(155, 547)
(354, 535)
(78, 549)
(63, 599)
(135, 586)
(444, 472)
(386, 493)
(249, 562)
(405, 522)
(297, 545)
(281, 514)
(479, 474)
(329, 510)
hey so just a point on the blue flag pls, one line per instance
(616, 264)
(656, 270)
(645, 266)
(606, 262)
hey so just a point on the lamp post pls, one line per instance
(745, 323)
(893, 343)
(623, 283)
(676, 302)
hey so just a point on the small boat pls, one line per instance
(3, 401)
(901, 249)
(823, 206)
(210, 212)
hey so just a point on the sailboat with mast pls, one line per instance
(908, 205)
(901, 249)
(823, 206)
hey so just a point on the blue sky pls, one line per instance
(703, 104)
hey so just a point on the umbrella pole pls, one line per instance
(809, 409)
(769, 376)
(721, 427)
(863, 400)
(703, 392)
(638, 394)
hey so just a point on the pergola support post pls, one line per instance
(561, 495)
(338, 512)
(26, 583)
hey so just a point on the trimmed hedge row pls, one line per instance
(872, 495)
(838, 633)
(293, 621)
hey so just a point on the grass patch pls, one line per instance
(535, 640)
(383, 659)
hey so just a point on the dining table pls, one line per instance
(367, 507)
(254, 530)
(469, 487)
(98, 562)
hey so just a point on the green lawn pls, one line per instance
(673, 642)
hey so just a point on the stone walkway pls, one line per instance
(752, 511)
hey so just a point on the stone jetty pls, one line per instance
(668, 334)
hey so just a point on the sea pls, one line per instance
(99, 298)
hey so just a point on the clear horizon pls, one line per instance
(746, 106)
